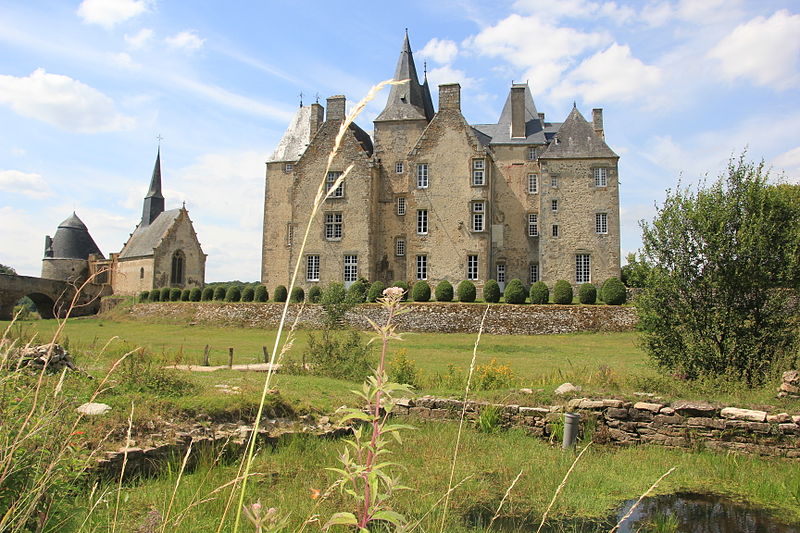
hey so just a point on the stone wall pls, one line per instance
(617, 422)
(502, 319)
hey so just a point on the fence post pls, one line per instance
(230, 357)
(205, 356)
(266, 355)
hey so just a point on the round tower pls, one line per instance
(66, 254)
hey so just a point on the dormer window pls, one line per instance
(288, 167)
(532, 153)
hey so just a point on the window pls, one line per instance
(288, 167)
(422, 176)
(289, 233)
(501, 273)
(330, 179)
(555, 230)
(533, 273)
(582, 268)
(531, 153)
(601, 222)
(533, 225)
(472, 267)
(141, 273)
(554, 205)
(401, 205)
(554, 181)
(177, 268)
(350, 268)
(422, 267)
(478, 209)
(312, 268)
(333, 226)
(533, 183)
(477, 172)
(400, 247)
(422, 221)
(600, 177)
(398, 167)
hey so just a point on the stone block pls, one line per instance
(405, 402)
(792, 377)
(613, 403)
(591, 404)
(780, 418)
(536, 412)
(647, 406)
(744, 414)
(573, 404)
(694, 409)
(640, 415)
(669, 411)
(789, 429)
(665, 420)
(790, 389)
(705, 422)
(616, 413)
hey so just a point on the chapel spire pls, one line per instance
(407, 101)
(154, 201)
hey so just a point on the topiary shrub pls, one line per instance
(466, 291)
(208, 294)
(144, 296)
(515, 292)
(357, 292)
(233, 294)
(540, 294)
(421, 291)
(185, 295)
(613, 292)
(248, 294)
(174, 295)
(298, 295)
(587, 294)
(375, 291)
(195, 294)
(491, 291)
(280, 294)
(403, 285)
(261, 294)
(155, 296)
(562, 292)
(165, 294)
(219, 293)
(314, 294)
(444, 291)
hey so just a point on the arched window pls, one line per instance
(177, 268)
(141, 273)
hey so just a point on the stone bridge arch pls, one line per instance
(52, 297)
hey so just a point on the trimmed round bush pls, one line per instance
(233, 294)
(444, 291)
(185, 295)
(421, 291)
(195, 294)
(174, 295)
(155, 296)
(515, 292)
(403, 285)
(375, 291)
(314, 294)
(466, 291)
(587, 294)
(219, 293)
(280, 294)
(261, 294)
(144, 296)
(208, 294)
(613, 292)
(357, 292)
(165, 292)
(298, 295)
(248, 294)
(491, 291)
(562, 292)
(540, 294)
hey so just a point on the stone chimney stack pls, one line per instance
(541, 118)
(317, 117)
(336, 106)
(597, 122)
(518, 110)
(450, 96)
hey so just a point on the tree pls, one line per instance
(716, 300)
(634, 274)
(4, 269)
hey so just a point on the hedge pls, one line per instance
(444, 291)
(165, 293)
(185, 293)
(375, 291)
(562, 292)
(587, 294)
(466, 291)
(195, 294)
(261, 294)
(219, 293)
(421, 291)
(491, 291)
(233, 294)
(540, 294)
(155, 296)
(280, 294)
(515, 292)
(314, 294)
(208, 294)
(298, 295)
(357, 292)
(613, 292)
(144, 296)
(248, 294)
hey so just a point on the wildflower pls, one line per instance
(393, 292)
(315, 494)
(76, 433)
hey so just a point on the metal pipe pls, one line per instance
(571, 425)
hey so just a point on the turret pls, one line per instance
(154, 201)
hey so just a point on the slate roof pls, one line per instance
(362, 137)
(145, 238)
(408, 101)
(155, 182)
(295, 139)
(576, 138)
(72, 241)
(500, 133)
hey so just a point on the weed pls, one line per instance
(140, 373)
(404, 370)
(340, 355)
(494, 376)
(489, 419)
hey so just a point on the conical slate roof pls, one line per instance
(408, 100)
(155, 182)
(576, 139)
(72, 241)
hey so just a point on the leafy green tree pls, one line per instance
(233, 294)
(723, 255)
(635, 272)
(208, 294)
(195, 294)
(248, 294)
(314, 294)
(298, 295)
(280, 294)
(4, 269)
(357, 292)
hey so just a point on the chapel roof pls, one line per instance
(145, 239)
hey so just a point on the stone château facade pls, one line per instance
(431, 197)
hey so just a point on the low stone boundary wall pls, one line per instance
(680, 425)
(503, 319)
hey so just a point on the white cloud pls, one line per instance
(789, 162)
(139, 39)
(19, 250)
(440, 50)
(25, 183)
(657, 14)
(108, 13)
(124, 60)
(188, 40)
(548, 9)
(448, 74)
(764, 50)
(63, 102)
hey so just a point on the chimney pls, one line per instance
(597, 122)
(541, 118)
(317, 118)
(518, 110)
(336, 105)
(450, 96)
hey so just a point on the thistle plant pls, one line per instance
(364, 475)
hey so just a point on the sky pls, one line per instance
(86, 87)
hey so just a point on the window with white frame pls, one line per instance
(478, 210)
(554, 181)
(533, 273)
(399, 247)
(533, 225)
(583, 268)
(531, 153)
(600, 177)
(330, 179)
(312, 268)
(398, 167)
(554, 205)
(472, 267)
(401, 205)
(501, 273)
(422, 176)
(288, 167)
(478, 172)
(422, 221)
(350, 268)
(554, 231)
(333, 226)
(422, 267)
(533, 183)
(601, 222)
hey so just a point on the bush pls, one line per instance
(314, 294)
(404, 370)
(174, 295)
(562, 292)
(357, 293)
(280, 293)
(335, 303)
(491, 292)
(165, 294)
(298, 295)
(444, 291)
(261, 294)
(155, 296)
(144, 296)
(338, 355)
(635, 272)
(466, 291)
(494, 376)
(421, 291)
(219, 293)
(375, 291)
(540, 294)
(403, 285)
(515, 292)
(613, 292)
(233, 294)
(587, 294)
(208, 294)
(185, 293)
(248, 294)
(195, 294)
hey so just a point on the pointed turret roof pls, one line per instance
(155, 182)
(296, 137)
(426, 93)
(576, 138)
(72, 241)
(406, 101)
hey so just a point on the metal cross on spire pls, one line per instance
(316, 95)
(159, 138)
(301, 98)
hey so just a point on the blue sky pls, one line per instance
(86, 86)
